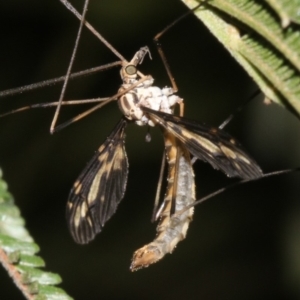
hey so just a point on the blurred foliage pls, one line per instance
(240, 245)
(17, 252)
(265, 44)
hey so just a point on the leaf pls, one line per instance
(17, 254)
(253, 34)
(287, 10)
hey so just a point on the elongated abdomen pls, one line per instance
(171, 229)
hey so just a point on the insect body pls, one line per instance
(101, 186)
(171, 229)
(144, 95)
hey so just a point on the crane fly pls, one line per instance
(100, 187)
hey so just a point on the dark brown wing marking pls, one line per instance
(209, 144)
(99, 188)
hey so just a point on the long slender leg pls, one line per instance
(161, 52)
(70, 7)
(55, 117)
(96, 107)
(181, 105)
(237, 110)
(156, 212)
(52, 104)
(53, 81)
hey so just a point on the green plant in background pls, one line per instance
(264, 37)
(17, 254)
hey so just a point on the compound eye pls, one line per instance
(131, 70)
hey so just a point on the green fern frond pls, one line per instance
(287, 10)
(268, 52)
(17, 254)
(280, 73)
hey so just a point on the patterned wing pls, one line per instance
(209, 144)
(99, 188)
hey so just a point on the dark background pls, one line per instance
(243, 244)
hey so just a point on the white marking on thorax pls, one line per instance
(144, 95)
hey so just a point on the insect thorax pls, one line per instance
(144, 94)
